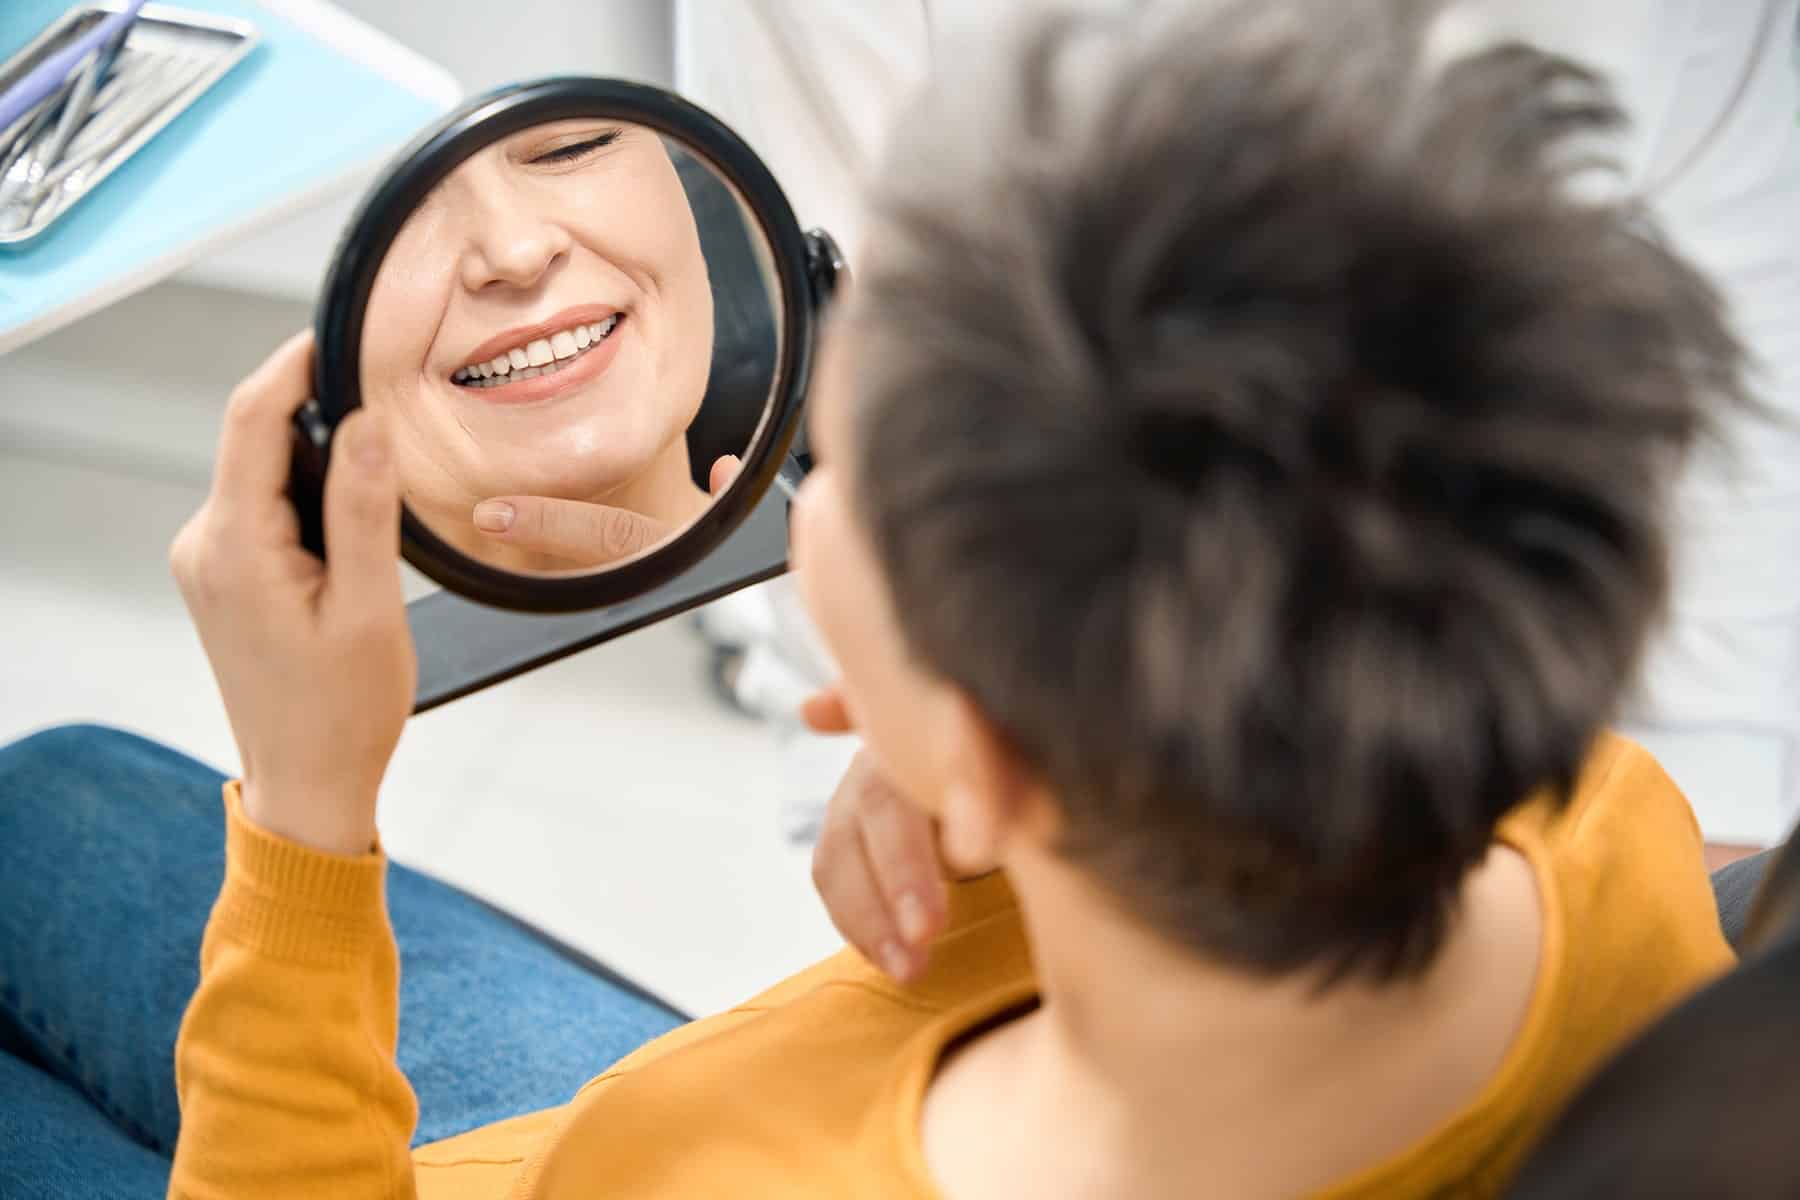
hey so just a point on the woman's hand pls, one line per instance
(585, 534)
(314, 661)
(876, 862)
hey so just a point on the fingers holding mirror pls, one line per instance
(571, 335)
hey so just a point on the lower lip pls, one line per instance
(586, 367)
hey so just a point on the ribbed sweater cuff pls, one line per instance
(296, 903)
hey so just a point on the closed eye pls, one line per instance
(575, 151)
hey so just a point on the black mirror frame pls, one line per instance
(426, 161)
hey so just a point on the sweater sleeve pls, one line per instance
(285, 1061)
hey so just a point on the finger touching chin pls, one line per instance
(495, 516)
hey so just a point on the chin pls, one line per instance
(591, 483)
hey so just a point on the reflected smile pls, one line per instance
(546, 355)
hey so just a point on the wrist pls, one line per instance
(334, 820)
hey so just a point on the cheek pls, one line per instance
(840, 581)
(808, 549)
(405, 308)
(661, 259)
(685, 361)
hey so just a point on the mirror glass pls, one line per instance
(573, 338)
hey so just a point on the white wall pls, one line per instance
(631, 38)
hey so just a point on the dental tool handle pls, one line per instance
(55, 70)
(80, 104)
(19, 148)
(306, 475)
(74, 114)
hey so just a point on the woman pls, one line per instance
(540, 336)
(1230, 645)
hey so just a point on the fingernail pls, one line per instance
(370, 447)
(493, 516)
(910, 911)
(894, 960)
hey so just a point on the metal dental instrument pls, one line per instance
(13, 133)
(13, 176)
(72, 172)
(77, 108)
(70, 118)
(55, 71)
(48, 147)
(23, 191)
(70, 105)
(127, 67)
(136, 83)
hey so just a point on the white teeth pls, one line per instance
(542, 356)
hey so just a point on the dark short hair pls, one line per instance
(1261, 433)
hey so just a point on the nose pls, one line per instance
(508, 244)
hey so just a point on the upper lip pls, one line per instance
(568, 318)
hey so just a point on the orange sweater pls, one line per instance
(288, 1085)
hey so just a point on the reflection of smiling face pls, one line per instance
(542, 326)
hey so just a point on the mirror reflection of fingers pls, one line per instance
(725, 468)
(586, 534)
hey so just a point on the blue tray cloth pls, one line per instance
(293, 116)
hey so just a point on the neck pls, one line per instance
(1152, 1071)
(664, 491)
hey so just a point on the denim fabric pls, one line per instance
(55, 1144)
(111, 853)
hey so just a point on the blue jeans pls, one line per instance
(111, 853)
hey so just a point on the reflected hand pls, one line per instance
(876, 863)
(313, 659)
(585, 534)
